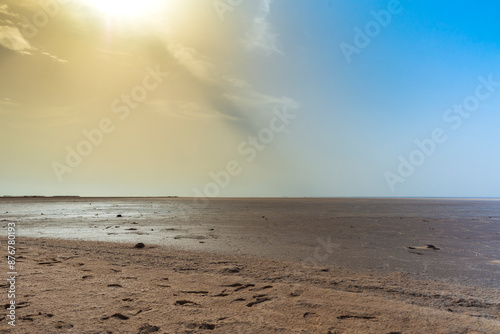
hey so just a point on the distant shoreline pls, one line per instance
(252, 197)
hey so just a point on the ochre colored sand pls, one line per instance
(90, 287)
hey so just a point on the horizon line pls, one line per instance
(269, 197)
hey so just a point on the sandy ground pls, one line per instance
(68, 286)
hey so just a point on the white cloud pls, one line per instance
(185, 110)
(4, 10)
(236, 82)
(55, 58)
(197, 65)
(261, 35)
(11, 38)
(260, 102)
(7, 103)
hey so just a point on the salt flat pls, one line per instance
(379, 235)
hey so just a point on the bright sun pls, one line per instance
(125, 8)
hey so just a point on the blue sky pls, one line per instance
(236, 74)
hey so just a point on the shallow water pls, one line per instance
(360, 234)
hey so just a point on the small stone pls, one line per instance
(207, 326)
(139, 245)
(120, 316)
(146, 328)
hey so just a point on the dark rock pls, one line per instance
(63, 325)
(184, 302)
(147, 328)
(230, 270)
(139, 245)
(207, 326)
(238, 300)
(120, 316)
(365, 317)
(119, 216)
(258, 301)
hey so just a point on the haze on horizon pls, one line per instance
(249, 98)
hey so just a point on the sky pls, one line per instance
(293, 98)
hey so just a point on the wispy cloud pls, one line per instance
(7, 104)
(54, 58)
(4, 11)
(12, 39)
(261, 35)
(196, 64)
(186, 110)
(257, 101)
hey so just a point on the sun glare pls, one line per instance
(125, 8)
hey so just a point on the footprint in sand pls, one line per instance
(364, 317)
(238, 300)
(63, 325)
(147, 328)
(239, 286)
(262, 288)
(230, 270)
(258, 301)
(311, 318)
(184, 302)
(196, 292)
(50, 262)
(116, 316)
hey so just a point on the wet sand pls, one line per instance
(356, 234)
(256, 265)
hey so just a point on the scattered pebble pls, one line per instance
(207, 326)
(120, 316)
(147, 328)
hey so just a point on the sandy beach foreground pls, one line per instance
(71, 286)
